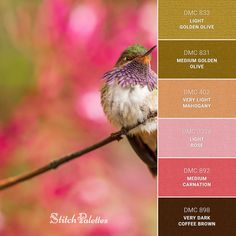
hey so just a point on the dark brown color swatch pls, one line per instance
(222, 212)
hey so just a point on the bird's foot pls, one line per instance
(124, 130)
(141, 122)
(119, 135)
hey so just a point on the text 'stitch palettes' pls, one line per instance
(197, 118)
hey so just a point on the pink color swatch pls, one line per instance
(197, 177)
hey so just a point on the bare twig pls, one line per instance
(11, 181)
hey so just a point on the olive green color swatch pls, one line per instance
(197, 19)
(197, 59)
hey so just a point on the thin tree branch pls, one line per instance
(11, 181)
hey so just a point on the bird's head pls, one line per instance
(133, 68)
(137, 52)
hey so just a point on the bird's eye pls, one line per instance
(128, 58)
(125, 59)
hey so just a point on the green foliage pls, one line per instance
(15, 76)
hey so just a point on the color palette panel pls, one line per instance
(197, 118)
(197, 138)
(197, 99)
(197, 19)
(197, 59)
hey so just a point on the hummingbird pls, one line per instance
(129, 96)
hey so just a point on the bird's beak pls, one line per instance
(149, 51)
(145, 57)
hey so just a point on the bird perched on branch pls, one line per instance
(128, 97)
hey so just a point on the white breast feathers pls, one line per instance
(127, 106)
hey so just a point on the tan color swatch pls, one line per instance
(197, 99)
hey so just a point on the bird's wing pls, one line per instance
(145, 153)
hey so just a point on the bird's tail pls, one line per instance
(153, 171)
(144, 153)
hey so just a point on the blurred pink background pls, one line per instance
(53, 54)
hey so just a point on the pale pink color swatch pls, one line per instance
(217, 137)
